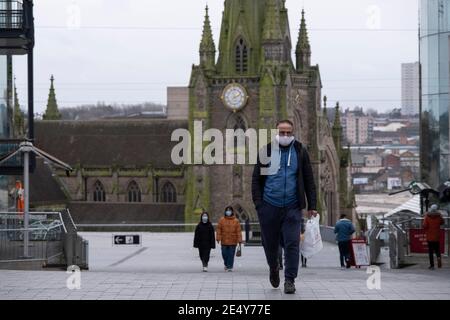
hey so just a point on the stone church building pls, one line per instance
(250, 80)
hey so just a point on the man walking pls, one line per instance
(344, 229)
(279, 198)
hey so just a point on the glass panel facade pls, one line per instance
(3, 126)
(434, 59)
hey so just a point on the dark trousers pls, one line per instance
(228, 253)
(204, 255)
(433, 247)
(280, 256)
(344, 252)
(281, 223)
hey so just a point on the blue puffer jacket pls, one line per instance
(344, 229)
(280, 189)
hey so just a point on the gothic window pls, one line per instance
(236, 122)
(241, 57)
(168, 193)
(99, 192)
(239, 123)
(134, 193)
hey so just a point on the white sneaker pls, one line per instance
(205, 269)
(229, 270)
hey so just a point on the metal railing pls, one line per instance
(328, 234)
(252, 228)
(11, 15)
(416, 223)
(397, 238)
(45, 234)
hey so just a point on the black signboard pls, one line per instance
(126, 240)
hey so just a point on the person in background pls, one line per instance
(18, 195)
(304, 260)
(432, 226)
(229, 235)
(204, 239)
(344, 230)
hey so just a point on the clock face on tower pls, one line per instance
(234, 96)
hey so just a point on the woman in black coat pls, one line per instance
(204, 239)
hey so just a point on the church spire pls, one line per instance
(207, 46)
(337, 128)
(272, 22)
(52, 113)
(19, 122)
(303, 51)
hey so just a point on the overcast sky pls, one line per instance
(129, 51)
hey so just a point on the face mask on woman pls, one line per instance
(228, 213)
(204, 219)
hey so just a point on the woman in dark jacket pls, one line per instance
(204, 239)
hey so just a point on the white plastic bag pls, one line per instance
(312, 243)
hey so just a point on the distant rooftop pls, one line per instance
(391, 127)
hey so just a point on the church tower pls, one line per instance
(254, 61)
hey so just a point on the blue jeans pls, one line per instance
(281, 223)
(228, 253)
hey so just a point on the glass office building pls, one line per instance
(4, 126)
(434, 38)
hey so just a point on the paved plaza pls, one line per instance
(166, 267)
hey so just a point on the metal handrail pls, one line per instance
(32, 229)
(70, 216)
(379, 233)
(11, 6)
(399, 228)
(15, 215)
(35, 213)
(62, 222)
(147, 224)
(12, 15)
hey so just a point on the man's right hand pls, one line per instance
(312, 213)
